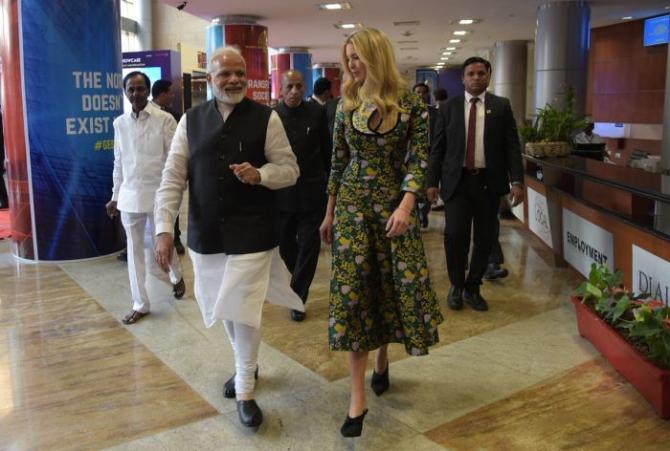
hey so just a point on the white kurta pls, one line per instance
(233, 287)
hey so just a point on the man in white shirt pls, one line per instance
(142, 139)
(588, 137)
(234, 154)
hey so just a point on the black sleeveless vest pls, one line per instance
(225, 215)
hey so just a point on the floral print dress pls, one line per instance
(380, 288)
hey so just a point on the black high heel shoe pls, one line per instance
(380, 382)
(353, 427)
(229, 386)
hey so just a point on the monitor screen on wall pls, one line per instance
(656, 30)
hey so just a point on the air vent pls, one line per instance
(407, 23)
(407, 42)
(409, 48)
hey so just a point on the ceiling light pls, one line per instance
(466, 21)
(450, 48)
(627, 18)
(447, 53)
(347, 26)
(454, 41)
(460, 32)
(334, 6)
(444, 58)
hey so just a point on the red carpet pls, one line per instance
(5, 226)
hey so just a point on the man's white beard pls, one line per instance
(224, 97)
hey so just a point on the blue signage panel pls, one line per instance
(656, 30)
(73, 92)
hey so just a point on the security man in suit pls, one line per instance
(302, 205)
(475, 155)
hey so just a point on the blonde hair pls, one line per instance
(383, 84)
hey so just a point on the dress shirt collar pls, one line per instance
(145, 113)
(225, 108)
(469, 96)
(317, 100)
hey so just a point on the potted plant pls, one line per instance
(551, 134)
(632, 333)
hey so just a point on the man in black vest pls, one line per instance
(302, 205)
(233, 153)
(475, 155)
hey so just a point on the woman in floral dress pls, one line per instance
(380, 289)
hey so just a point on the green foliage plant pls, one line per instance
(642, 320)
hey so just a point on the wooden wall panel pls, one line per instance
(626, 80)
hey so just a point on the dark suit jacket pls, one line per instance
(501, 146)
(331, 108)
(307, 131)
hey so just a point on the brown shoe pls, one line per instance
(133, 317)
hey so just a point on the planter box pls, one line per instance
(651, 381)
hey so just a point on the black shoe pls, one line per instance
(179, 246)
(380, 382)
(179, 289)
(494, 271)
(297, 315)
(229, 386)
(122, 257)
(353, 427)
(474, 299)
(250, 414)
(455, 298)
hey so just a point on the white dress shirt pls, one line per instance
(593, 138)
(141, 145)
(480, 157)
(280, 171)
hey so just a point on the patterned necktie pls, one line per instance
(472, 124)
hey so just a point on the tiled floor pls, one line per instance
(517, 377)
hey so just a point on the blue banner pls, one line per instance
(73, 91)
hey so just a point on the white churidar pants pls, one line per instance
(233, 288)
(245, 341)
(140, 235)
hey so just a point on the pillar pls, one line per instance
(66, 90)
(509, 75)
(251, 39)
(332, 72)
(145, 25)
(297, 58)
(561, 52)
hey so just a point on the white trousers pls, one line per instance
(140, 235)
(246, 341)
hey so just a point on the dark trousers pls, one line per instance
(299, 247)
(497, 257)
(177, 232)
(471, 208)
(4, 201)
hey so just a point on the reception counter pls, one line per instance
(587, 211)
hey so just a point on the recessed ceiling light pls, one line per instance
(460, 32)
(466, 21)
(454, 41)
(447, 53)
(627, 18)
(335, 6)
(450, 48)
(347, 26)
(444, 58)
